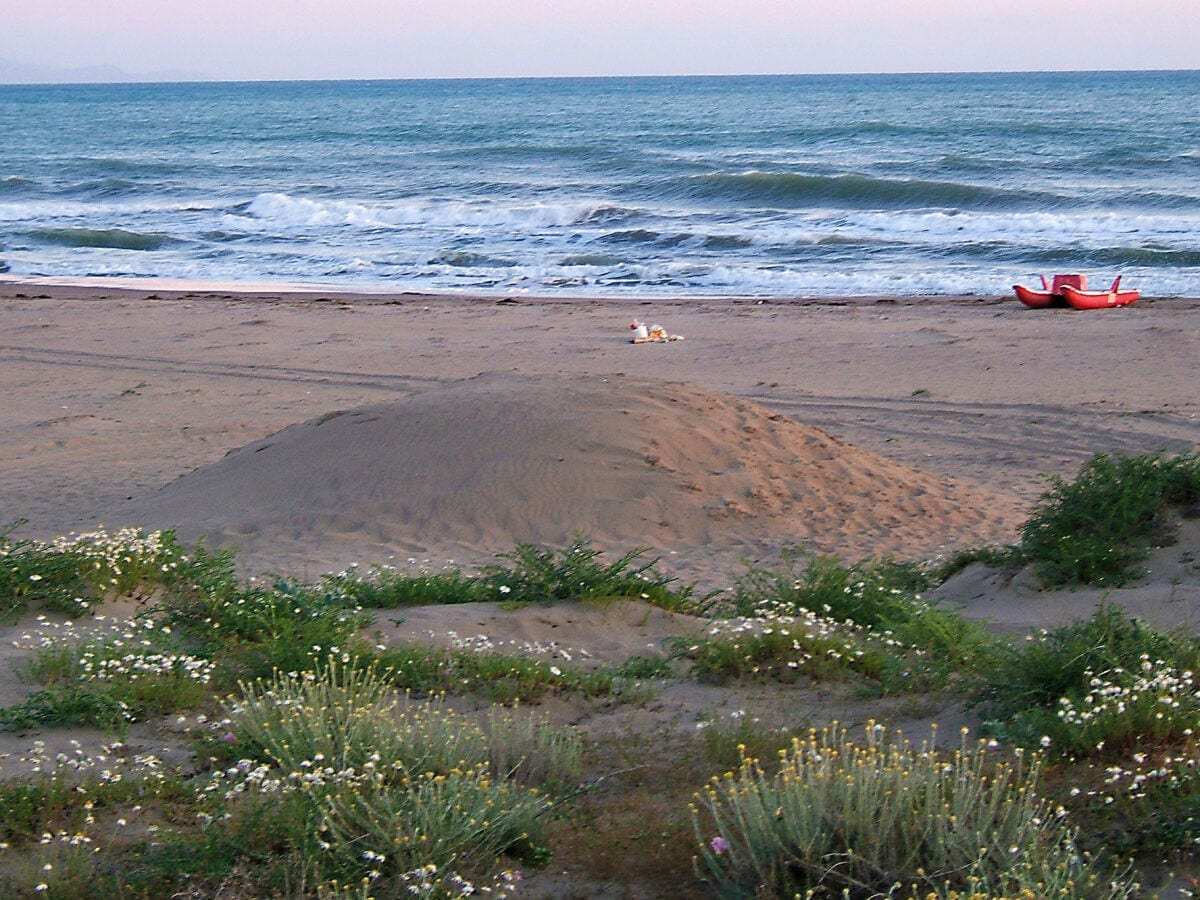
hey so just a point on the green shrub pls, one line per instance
(1092, 685)
(253, 632)
(139, 668)
(644, 668)
(1146, 801)
(33, 573)
(885, 818)
(351, 781)
(70, 574)
(779, 647)
(535, 575)
(498, 677)
(384, 587)
(880, 596)
(1096, 529)
(828, 620)
(66, 705)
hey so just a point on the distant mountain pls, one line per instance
(13, 72)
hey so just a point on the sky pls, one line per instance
(295, 39)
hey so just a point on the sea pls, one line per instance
(780, 186)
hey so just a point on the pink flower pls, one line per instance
(719, 845)
(229, 737)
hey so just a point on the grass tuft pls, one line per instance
(886, 818)
(1096, 529)
(1098, 686)
(354, 781)
(827, 620)
(537, 575)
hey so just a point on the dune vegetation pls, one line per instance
(316, 761)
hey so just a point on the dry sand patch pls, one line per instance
(471, 468)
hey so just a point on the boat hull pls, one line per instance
(1098, 299)
(1038, 299)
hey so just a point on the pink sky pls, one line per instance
(249, 39)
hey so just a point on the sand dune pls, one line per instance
(483, 463)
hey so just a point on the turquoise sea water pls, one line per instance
(806, 185)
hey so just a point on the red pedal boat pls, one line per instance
(1071, 290)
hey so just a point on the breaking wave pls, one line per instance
(111, 238)
(791, 190)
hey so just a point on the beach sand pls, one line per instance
(313, 431)
(861, 427)
(113, 394)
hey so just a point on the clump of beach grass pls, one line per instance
(1097, 528)
(527, 574)
(882, 817)
(527, 749)
(1106, 684)
(828, 620)
(388, 587)
(1115, 703)
(357, 782)
(531, 574)
(70, 574)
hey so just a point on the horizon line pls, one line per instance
(148, 79)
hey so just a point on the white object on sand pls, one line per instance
(655, 334)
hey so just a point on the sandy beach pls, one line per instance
(126, 407)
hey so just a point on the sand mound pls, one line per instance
(1167, 595)
(484, 463)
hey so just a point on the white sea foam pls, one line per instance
(287, 211)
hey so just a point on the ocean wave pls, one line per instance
(225, 237)
(631, 236)
(590, 259)
(1156, 199)
(1145, 257)
(958, 162)
(15, 186)
(120, 166)
(794, 190)
(288, 211)
(110, 238)
(609, 214)
(465, 259)
(100, 188)
(113, 213)
(849, 240)
(1061, 229)
(726, 242)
